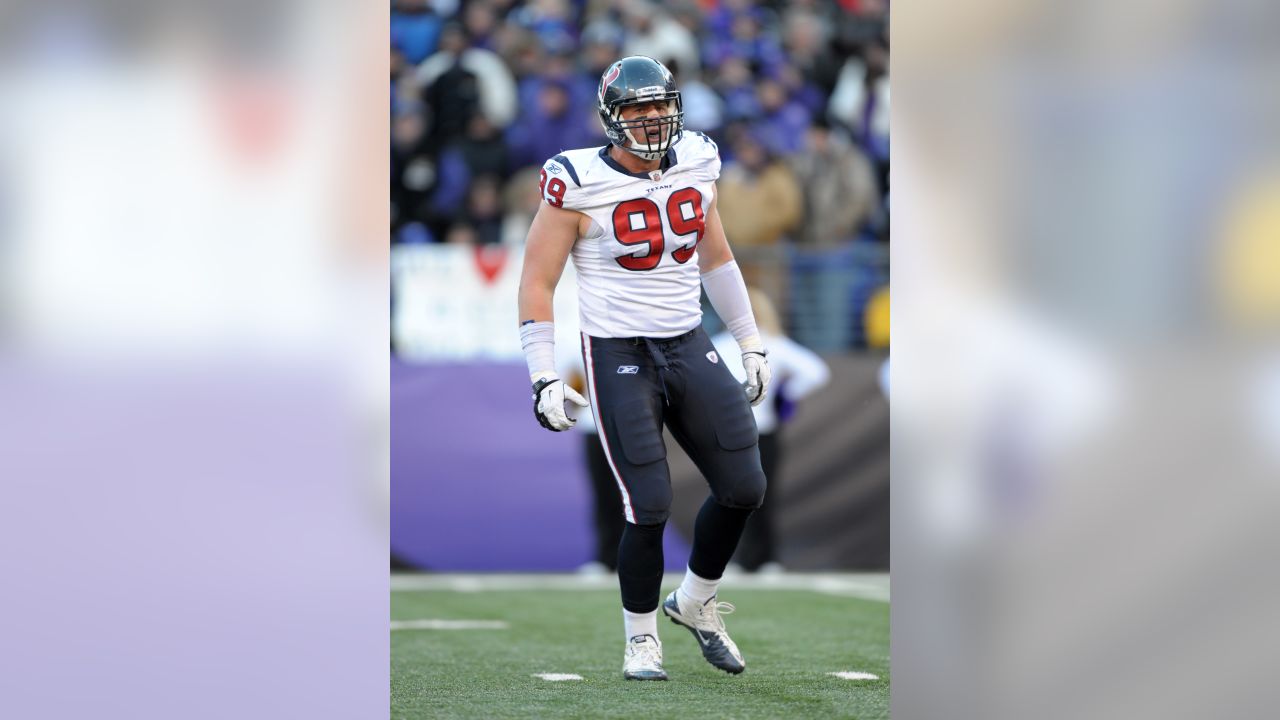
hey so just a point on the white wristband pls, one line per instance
(728, 295)
(539, 342)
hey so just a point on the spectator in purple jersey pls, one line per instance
(559, 67)
(734, 84)
(547, 127)
(481, 21)
(551, 21)
(746, 39)
(719, 20)
(812, 99)
(415, 29)
(783, 122)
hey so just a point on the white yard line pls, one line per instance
(865, 586)
(557, 677)
(436, 624)
(854, 675)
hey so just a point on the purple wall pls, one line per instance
(477, 484)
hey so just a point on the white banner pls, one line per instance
(455, 303)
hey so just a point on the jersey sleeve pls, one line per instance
(559, 184)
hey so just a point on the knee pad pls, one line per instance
(747, 493)
(651, 503)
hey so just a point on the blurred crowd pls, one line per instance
(796, 93)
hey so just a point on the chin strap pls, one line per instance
(645, 155)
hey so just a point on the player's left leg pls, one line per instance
(712, 421)
(756, 550)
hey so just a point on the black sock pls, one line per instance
(640, 567)
(715, 536)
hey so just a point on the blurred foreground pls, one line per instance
(1086, 427)
(193, 378)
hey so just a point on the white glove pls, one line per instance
(758, 375)
(549, 394)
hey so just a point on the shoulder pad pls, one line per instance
(559, 182)
(701, 154)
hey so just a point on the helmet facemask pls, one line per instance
(634, 135)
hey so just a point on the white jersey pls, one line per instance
(638, 265)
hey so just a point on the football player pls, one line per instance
(639, 218)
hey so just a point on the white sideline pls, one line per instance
(434, 624)
(865, 586)
(854, 675)
(557, 677)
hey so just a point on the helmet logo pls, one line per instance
(609, 77)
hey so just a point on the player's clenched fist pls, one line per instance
(758, 375)
(549, 395)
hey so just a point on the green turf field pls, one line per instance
(791, 638)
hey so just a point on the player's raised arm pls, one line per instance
(727, 292)
(551, 238)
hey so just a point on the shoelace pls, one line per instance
(715, 610)
(648, 653)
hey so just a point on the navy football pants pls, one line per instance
(638, 386)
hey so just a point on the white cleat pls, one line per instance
(707, 626)
(643, 659)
